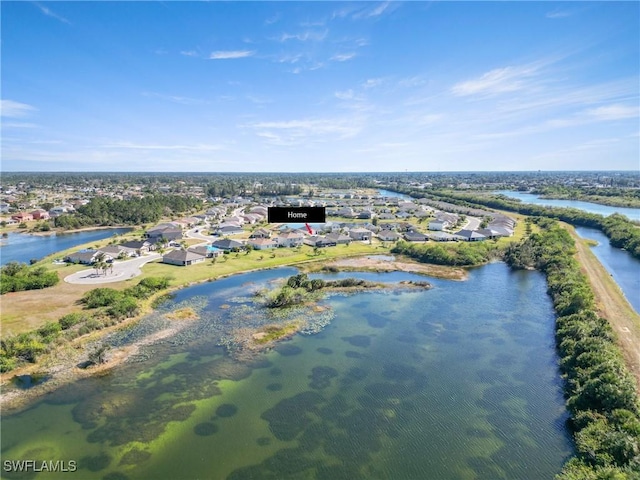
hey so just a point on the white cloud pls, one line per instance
(18, 125)
(138, 146)
(296, 132)
(343, 57)
(175, 98)
(273, 19)
(49, 13)
(499, 80)
(189, 53)
(372, 82)
(345, 95)
(613, 112)
(13, 109)
(557, 13)
(230, 54)
(307, 35)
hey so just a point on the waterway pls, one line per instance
(22, 247)
(624, 268)
(390, 194)
(457, 382)
(606, 210)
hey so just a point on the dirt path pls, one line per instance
(611, 304)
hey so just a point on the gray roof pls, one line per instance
(182, 256)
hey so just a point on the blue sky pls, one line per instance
(320, 86)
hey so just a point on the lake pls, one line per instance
(457, 382)
(22, 247)
(624, 268)
(631, 213)
(390, 194)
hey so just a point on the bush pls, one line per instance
(101, 297)
(70, 320)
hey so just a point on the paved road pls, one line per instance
(473, 223)
(121, 271)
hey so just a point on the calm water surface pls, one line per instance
(631, 213)
(457, 382)
(22, 247)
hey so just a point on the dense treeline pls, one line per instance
(454, 254)
(600, 391)
(621, 231)
(16, 277)
(106, 211)
(105, 307)
(620, 197)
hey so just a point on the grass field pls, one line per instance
(23, 311)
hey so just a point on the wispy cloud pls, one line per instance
(273, 19)
(175, 98)
(372, 83)
(296, 132)
(613, 112)
(343, 57)
(557, 13)
(376, 10)
(306, 36)
(50, 13)
(189, 53)
(230, 54)
(18, 125)
(142, 146)
(499, 80)
(13, 109)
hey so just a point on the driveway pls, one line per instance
(473, 223)
(121, 271)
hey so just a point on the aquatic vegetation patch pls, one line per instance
(291, 416)
(376, 321)
(186, 313)
(324, 350)
(95, 463)
(115, 476)
(321, 377)
(353, 354)
(362, 341)
(135, 456)
(226, 410)
(272, 333)
(263, 441)
(205, 429)
(275, 371)
(288, 350)
(274, 387)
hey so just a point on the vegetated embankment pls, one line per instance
(599, 388)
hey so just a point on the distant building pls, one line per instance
(182, 258)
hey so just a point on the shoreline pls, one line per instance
(611, 304)
(54, 231)
(62, 362)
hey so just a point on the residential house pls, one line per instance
(4, 207)
(260, 233)
(471, 235)
(116, 251)
(289, 239)
(40, 215)
(22, 217)
(168, 231)
(437, 225)
(228, 230)
(227, 245)
(338, 238)
(182, 258)
(361, 234)
(415, 237)
(319, 241)
(207, 251)
(141, 247)
(261, 243)
(444, 237)
(87, 257)
(388, 236)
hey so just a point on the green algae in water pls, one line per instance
(447, 406)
